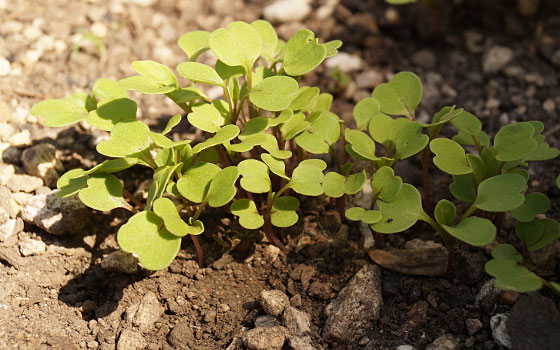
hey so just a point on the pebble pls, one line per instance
(549, 106)
(6, 130)
(405, 347)
(5, 67)
(32, 247)
(56, 215)
(130, 340)
(145, 313)
(9, 153)
(369, 79)
(487, 295)
(424, 58)
(296, 321)
(282, 11)
(300, 343)
(99, 29)
(499, 330)
(120, 261)
(473, 325)
(345, 62)
(496, 58)
(320, 290)
(445, 342)
(271, 252)
(6, 173)
(180, 335)
(21, 139)
(357, 305)
(41, 161)
(24, 183)
(273, 302)
(265, 338)
(4, 215)
(10, 228)
(266, 321)
(32, 33)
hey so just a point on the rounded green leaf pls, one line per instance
(61, 112)
(361, 143)
(145, 237)
(103, 192)
(512, 276)
(474, 231)
(270, 145)
(198, 72)
(293, 126)
(467, 123)
(332, 47)
(237, 45)
(401, 213)
(274, 93)
(543, 152)
(156, 72)
(386, 186)
(508, 252)
(303, 53)
(335, 185)
(514, 142)
(194, 43)
(161, 178)
(206, 117)
(308, 177)
(323, 132)
(225, 134)
(255, 126)
(501, 193)
(364, 111)
(276, 166)
(401, 95)
(462, 188)
(127, 138)
(529, 232)
(222, 188)
(283, 213)
(111, 113)
(410, 140)
(113, 165)
(249, 216)
(195, 182)
(384, 129)
(106, 89)
(450, 157)
(360, 214)
(304, 97)
(166, 210)
(254, 174)
(445, 212)
(282, 118)
(535, 203)
(71, 182)
(248, 143)
(268, 36)
(145, 85)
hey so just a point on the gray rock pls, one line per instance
(24, 183)
(282, 11)
(445, 342)
(120, 261)
(30, 247)
(300, 343)
(265, 338)
(181, 334)
(145, 313)
(357, 305)
(40, 160)
(273, 302)
(405, 347)
(296, 321)
(473, 325)
(424, 58)
(345, 62)
(131, 340)
(499, 329)
(265, 321)
(496, 58)
(10, 228)
(56, 215)
(487, 296)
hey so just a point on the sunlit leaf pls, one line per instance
(401, 95)
(474, 231)
(249, 216)
(303, 53)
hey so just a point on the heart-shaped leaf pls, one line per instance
(514, 142)
(336, 185)
(237, 45)
(308, 176)
(535, 203)
(269, 38)
(103, 193)
(384, 129)
(512, 276)
(206, 117)
(304, 97)
(222, 188)
(113, 165)
(386, 186)
(364, 111)
(282, 118)
(225, 134)
(154, 78)
(270, 144)
(501, 193)
(195, 182)
(474, 231)
(401, 95)
(166, 210)
(551, 232)
(161, 178)
(467, 123)
(322, 134)
(507, 252)
(171, 123)
(293, 126)
(283, 212)
(111, 113)
(543, 152)
(445, 212)
(370, 217)
(410, 140)
(274, 93)
(450, 157)
(254, 174)
(249, 216)
(145, 237)
(361, 143)
(303, 53)
(401, 213)
(462, 188)
(187, 94)
(276, 166)
(106, 89)
(226, 72)
(198, 72)
(127, 138)
(529, 232)
(61, 112)
(255, 126)
(71, 182)
(194, 43)
(248, 143)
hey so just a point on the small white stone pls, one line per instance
(10, 228)
(282, 11)
(45, 43)
(32, 33)
(345, 62)
(21, 139)
(32, 247)
(496, 58)
(549, 106)
(499, 330)
(60, 46)
(5, 67)
(99, 29)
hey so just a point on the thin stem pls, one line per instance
(199, 210)
(426, 174)
(469, 212)
(133, 199)
(335, 157)
(477, 143)
(199, 252)
(229, 100)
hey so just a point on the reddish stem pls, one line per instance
(199, 253)
(271, 236)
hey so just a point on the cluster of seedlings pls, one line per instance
(260, 138)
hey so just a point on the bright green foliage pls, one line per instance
(249, 216)
(514, 142)
(255, 177)
(145, 236)
(361, 143)
(501, 193)
(474, 231)
(195, 182)
(112, 112)
(268, 37)
(386, 186)
(336, 185)
(305, 96)
(401, 95)
(276, 166)
(283, 213)
(322, 133)
(237, 45)
(274, 93)
(308, 176)
(61, 112)
(165, 209)
(410, 140)
(153, 78)
(206, 117)
(103, 192)
(223, 135)
(127, 138)
(106, 89)
(303, 53)
(194, 43)
(161, 178)
(462, 188)
(445, 212)
(401, 213)
(198, 72)
(222, 188)
(360, 214)
(364, 111)
(450, 157)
